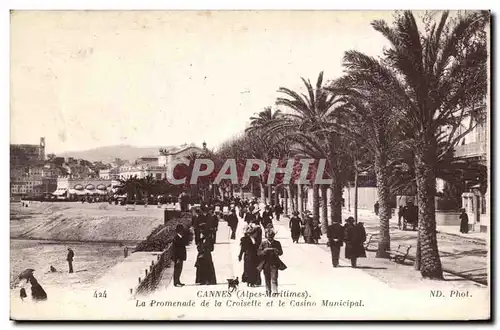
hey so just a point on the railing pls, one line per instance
(153, 275)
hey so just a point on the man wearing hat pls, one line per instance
(354, 236)
(308, 227)
(464, 222)
(180, 254)
(335, 235)
(295, 226)
(270, 250)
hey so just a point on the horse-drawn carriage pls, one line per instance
(410, 216)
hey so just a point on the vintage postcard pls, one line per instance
(250, 165)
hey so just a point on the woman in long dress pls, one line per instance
(248, 250)
(37, 292)
(205, 271)
(295, 227)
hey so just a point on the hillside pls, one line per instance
(109, 153)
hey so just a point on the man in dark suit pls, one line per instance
(270, 250)
(335, 241)
(179, 254)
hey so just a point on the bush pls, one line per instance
(162, 235)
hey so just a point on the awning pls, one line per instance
(59, 192)
(77, 192)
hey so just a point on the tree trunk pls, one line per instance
(241, 192)
(425, 162)
(286, 194)
(270, 192)
(324, 210)
(336, 201)
(383, 192)
(299, 199)
(276, 196)
(349, 196)
(289, 198)
(417, 254)
(315, 203)
(262, 192)
(356, 196)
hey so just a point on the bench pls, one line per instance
(400, 254)
(369, 241)
(130, 207)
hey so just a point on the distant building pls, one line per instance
(74, 188)
(33, 180)
(151, 166)
(25, 154)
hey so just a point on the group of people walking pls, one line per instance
(260, 255)
(259, 251)
(353, 235)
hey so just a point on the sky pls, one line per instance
(86, 79)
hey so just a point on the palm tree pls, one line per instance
(306, 126)
(374, 131)
(436, 78)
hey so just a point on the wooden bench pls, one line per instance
(369, 241)
(401, 254)
(130, 207)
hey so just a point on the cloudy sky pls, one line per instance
(90, 79)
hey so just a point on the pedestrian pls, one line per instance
(464, 222)
(267, 217)
(195, 224)
(295, 226)
(205, 271)
(69, 258)
(213, 224)
(354, 237)
(278, 210)
(248, 251)
(308, 228)
(270, 250)
(335, 235)
(316, 232)
(400, 215)
(180, 254)
(232, 221)
(250, 216)
(37, 292)
(376, 207)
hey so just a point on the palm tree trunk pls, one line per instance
(270, 192)
(300, 204)
(336, 201)
(384, 242)
(315, 203)
(286, 194)
(324, 209)
(262, 192)
(356, 195)
(425, 155)
(241, 191)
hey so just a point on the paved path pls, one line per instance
(357, 294)
(309, 273)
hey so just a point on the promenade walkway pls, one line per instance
(328, 293)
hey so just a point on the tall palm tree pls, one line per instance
(436, 78)
(305, 125)
(373, 128)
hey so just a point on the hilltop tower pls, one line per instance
(41, 152)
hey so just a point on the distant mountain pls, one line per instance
(109, 153)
